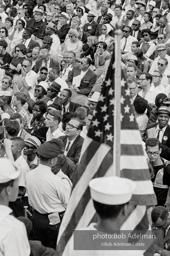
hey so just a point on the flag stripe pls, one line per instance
(127, 137)
(134, 174)
(130, 150)
(133, 162)
(147, 200)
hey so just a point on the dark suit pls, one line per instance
(38, 64)
(165, 145)
(31, 45)
(37, 27)
(87, 82)
(90, 28)
(62, 32)
(75, 149)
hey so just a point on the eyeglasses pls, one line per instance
(2, 31)
(153, 153)
(161, 64)
(24, 66)
(134, 24)
(4, 82)
(43, 73)
(71, 126)
(160, 38)
(126, 31)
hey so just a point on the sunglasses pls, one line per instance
(17, 50)
(134, 24)
(160, 38)
(37, 90)
(2, 31)
(43, 73)
(160, 64)
(126, 31)
(145, 35)
(4, 82)
(28, 147)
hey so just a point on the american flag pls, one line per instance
(96, 160)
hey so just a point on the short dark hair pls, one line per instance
(55, 113)
(80, 126)
(147, 30)
(107, 211)
(159, 212)
(21, 96)
(140, 105)
(136, 43)
(6, 31)
(104, 44)
(12, 127)
(147, 75)
(152, 142)
(22, 48)
(22, 21)
(69, 92)
(10, 20)
(44, 68)
(42, 105)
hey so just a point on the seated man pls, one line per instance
(82, 78)
(73, 141)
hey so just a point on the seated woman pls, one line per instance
(72, 43)
(5, 88)
(147, 21)
(143, 64)
(38, 120)
(89, 48)
(40, 91)
(101, 57)
(18, 57)
(16, 36)
(105, 37)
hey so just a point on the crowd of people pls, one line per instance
(54, 57)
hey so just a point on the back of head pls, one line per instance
(159, 212)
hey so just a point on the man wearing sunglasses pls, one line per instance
(148, 46)
(162, 53)
(127, 39)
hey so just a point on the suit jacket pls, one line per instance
(87, 82)
(32, 44)
(90, 28)
(62, 32)
(73, 106)
(37, 27)
(75, 149)
(38, 64)
(165, 145)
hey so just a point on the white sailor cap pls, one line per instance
(8, 170)
(33, 141)
(111, 190)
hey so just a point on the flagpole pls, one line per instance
(117, 105)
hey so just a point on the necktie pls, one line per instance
(159, 134)
(125, 44)
(68, 145)
(64, 109)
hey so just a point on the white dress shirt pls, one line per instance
(130, 39)
(13, 236)
(55, 50)
(162, 89)
(161, 133)
(150, 95)
(31, 78)
(47, 192)
(154, 65)
(61, 82)
(56, 134)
